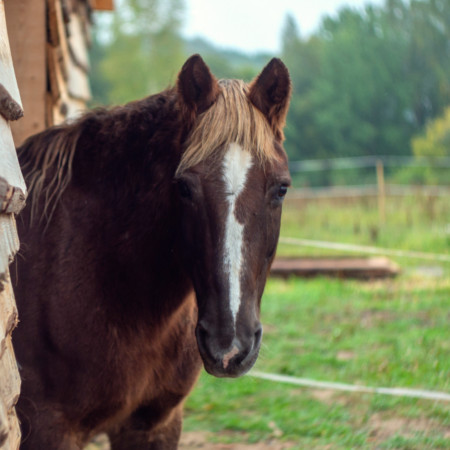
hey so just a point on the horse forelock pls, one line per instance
(231, 119)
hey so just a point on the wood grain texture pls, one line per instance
(103, 5)
(9, 241)
(9, 165)
(9, 373)
(6, 62)
(27, 37)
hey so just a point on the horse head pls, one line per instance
(231, 182)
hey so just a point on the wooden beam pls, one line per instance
(6, 62)
(27, 36)
(103, 5)
(344, 267)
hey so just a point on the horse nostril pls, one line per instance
(204, 341)
(201, 331)
(258, 337)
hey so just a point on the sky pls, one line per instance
(256, 25)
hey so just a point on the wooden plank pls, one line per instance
(57, 82)
(8, 311)
(59, 112)
(77, 41)
(78, 83)
(75, 108)
(9, 164)
(103, 5)
(9, 429)
(12, 185)
(4, 424)
(67, 67)
(345, 267)
(27, 37)
(9, 393)
(58, 37)
(9, 241)
(7, 75)
(9, 374)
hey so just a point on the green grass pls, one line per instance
(379, 334)
(390, 333)
(412, 223)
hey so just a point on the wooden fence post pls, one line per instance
(381, 192)
(12, 200)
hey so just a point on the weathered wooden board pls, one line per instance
(10, 385)
(68, 65)
(61, 104)
(103, 5)
(12, 200)
(77, 40)
(78, 64)
(57, 33)
(6, 62)
(9, 393)
(57, 82)
(9, 374)
(8, 311)
(9, 244)
(78, 83)
(27, 38)
(344, 267)
(9, 165)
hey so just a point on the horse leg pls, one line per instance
(137, 434)
(45, 430)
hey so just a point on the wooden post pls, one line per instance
(12, 200)
(381, 192)
(27, 32)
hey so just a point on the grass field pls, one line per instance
(419, 223)
(393, 333)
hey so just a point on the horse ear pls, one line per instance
(270, 92)
(197, 87)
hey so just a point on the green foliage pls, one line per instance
(365, 83)
(140, 50)
(436, 140)
(433, 142)
(368, 80)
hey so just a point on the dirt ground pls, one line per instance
(199, 440)
(380, 428)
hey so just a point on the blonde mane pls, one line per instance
(232, 118)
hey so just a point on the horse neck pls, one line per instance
(133, 218)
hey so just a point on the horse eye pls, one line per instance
(282, 191)
(184, 190)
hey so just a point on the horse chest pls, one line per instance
(152, 370)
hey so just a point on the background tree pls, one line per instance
(368, 80)
(141, 50)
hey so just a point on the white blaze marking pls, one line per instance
(236, 164)
(226, 359)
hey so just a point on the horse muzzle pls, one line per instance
(228, 354)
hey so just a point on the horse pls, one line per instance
(146, 244)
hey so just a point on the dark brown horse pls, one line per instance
(146, 246)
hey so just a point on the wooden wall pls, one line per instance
(49, 42)
(12, 200)
(46, 42)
